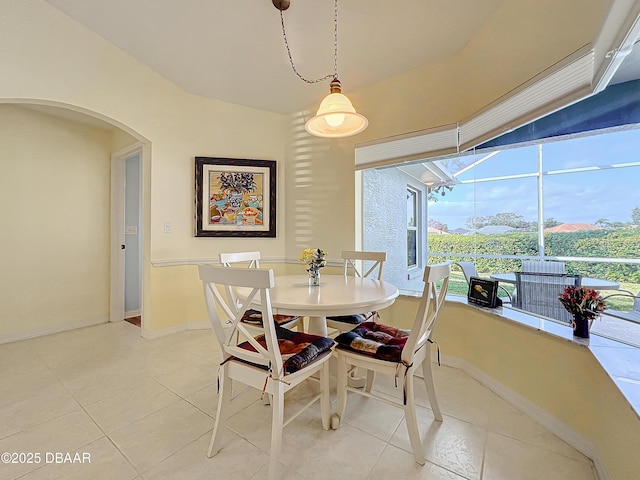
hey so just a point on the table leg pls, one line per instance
(318, 326)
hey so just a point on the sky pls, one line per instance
(581, 197)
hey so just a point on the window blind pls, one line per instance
(562, 84)
(549, 91)
(432, 142)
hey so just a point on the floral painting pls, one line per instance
(235, 197)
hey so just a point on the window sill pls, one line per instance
(414, 273)
(619, 360)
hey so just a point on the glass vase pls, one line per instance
(314, 277)
(580, 326)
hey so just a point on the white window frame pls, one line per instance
(417, 228)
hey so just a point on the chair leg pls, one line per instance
(431, 391)
(341, 393)
(277, 423)
(412, 420)
(224, 400)
(371, 376)
(325, 399)
(354, 379)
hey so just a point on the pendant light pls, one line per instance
(336, 116)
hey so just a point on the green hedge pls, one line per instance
(590, 243)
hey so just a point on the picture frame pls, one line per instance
(483, 292)
(235, 197)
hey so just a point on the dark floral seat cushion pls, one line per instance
(298, 349)
(375, 339)
(254, 317)
(355, 319)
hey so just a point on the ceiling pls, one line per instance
(234, 50)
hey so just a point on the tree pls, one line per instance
(635, 216)
(551, 222)
(505, 218)
(476, 222)
(508, 219)
(432, 192)
(437, 224)
(602, 222)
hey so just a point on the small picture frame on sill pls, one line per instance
(483, 292)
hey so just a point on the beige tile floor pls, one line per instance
(144, 410)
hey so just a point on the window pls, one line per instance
(572, 199)
(412, 227)
(582, 184)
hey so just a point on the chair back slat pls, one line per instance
(247, 260)
(225, 315)
(251, 259)
(538, 293)
(468, 269)
(357, 263)
(537, 266)
(431, 303)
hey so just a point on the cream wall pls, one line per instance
(49, 58)
(55, 211)
(521, 40)
(559, 383)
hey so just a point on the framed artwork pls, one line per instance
(483, 292)
(235, 197)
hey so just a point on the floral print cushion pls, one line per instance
(375, 339)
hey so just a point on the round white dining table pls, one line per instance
(595, 283)
(336, 295)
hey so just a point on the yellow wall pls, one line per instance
(178, 293)
(54, 209)
(49, 58)
(561, 377)
(521, 40)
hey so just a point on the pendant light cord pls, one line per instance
(335, 49)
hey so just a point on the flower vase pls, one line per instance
(580, 326)
(314, 277)
(235, 200)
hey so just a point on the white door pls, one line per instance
(132, 252)
(126, 241)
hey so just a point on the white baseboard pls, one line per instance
(204, 325)
(16, 337)
(132, 313)
(566, 433)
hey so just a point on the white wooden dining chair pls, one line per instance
(266, 363)
(382, 351)
(364, 265)
(253, 317)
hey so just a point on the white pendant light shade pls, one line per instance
(336, 116)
